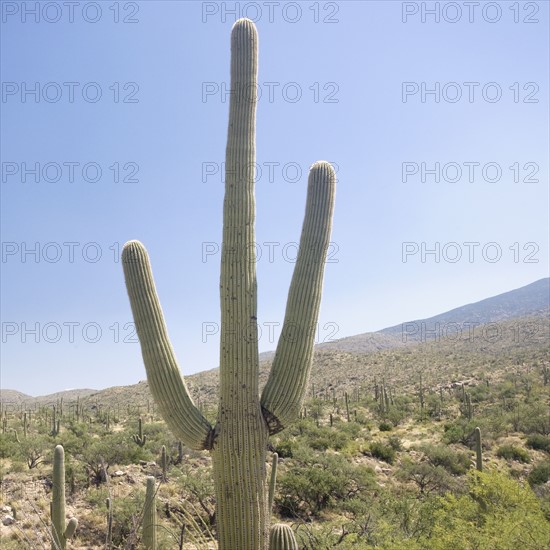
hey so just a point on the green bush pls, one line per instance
(395, 443)
(456, 463)
(510, 452)
(385, 426)
(539, 442)
(316, 481)
(383, 452)
(540, 473)
(283, 448)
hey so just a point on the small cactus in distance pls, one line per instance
(179, 458)
(139, 438)
(60, 532)
(479, 456)
(281, 537)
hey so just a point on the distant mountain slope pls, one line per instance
(66, 395)
(13, 396)
(522, 334)
(533, 299)
(367, 342)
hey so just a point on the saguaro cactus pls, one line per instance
(238, 441)
(139, 438)
(109, 535)
(164, 463)
(60, 532)
(150, 515)
(281, 537)
(479, 457)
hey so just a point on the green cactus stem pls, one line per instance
(55, 422)
(109, 535)
(61, 532)
(479, 456)
(272, 481)
(150, 515)
(179, 459)
(281, 537)
(164, 463)
(238, 441)
(467, 408)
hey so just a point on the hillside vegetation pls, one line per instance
(382, 457)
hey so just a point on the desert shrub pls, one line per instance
(426, 476)
(382, 451)
(395, 443)
(8, 445)
(510, 452)
(114, 449)
(324, 438)
(385, 426)
(283, 448)
(315, 481)
(539, 442)
(459, 431)
(479, 518)
(540, 473)
(456, 463)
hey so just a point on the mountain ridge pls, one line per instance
(525, 303)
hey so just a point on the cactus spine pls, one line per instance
(281, 537)
(238, 442)
(150, 515)
(60, 531)
(479, 456)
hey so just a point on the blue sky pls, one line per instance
(142, 160)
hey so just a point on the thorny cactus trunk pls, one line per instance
(150, 515)
(61, 532)
(238, 442)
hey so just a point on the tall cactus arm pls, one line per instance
(164, 377)
(284, 392)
